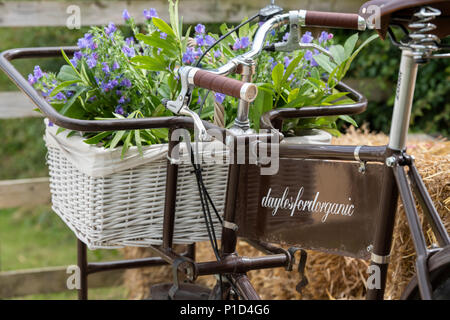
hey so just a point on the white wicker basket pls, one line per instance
(125, 207)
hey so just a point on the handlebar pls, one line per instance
(332, 20)
(231, 87)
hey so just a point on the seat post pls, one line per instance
(403, 100)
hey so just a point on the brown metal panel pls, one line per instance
(315, 204)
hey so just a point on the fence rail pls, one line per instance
(55, 13)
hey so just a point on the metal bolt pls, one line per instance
(370, 248)
(390, 161)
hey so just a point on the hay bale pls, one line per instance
(331, 276)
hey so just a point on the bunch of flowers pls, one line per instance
(113, 76)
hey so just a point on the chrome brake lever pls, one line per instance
(181, 104)
(293, 42)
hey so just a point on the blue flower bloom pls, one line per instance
(92, 98)
(122, 100)
(307, 37)
(110, 29)
(125, 15)
(69, 93)
(126, 83)
(60, 96)
(149, 14)
(209, 40)
(286, 36)
(74, 62)
(38, 72)
(217, 54)
(119, 110)
(163, 35)
(91, 61)
(219, 97)
(200, 28)
(78, 55)
(287, 61)
(31, 79)
(199, 40)
(308, 55)
(129, 41)
(189, 56)
(128, 51)
(105, 68)
(50, 124)
(323, 36)
(244, 42)
(115, 65)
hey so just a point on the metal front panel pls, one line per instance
(314, 204)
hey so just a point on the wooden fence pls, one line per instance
(30, 192)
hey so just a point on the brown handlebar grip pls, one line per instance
(333, 20)
(230, 87)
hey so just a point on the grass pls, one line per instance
(35, 238)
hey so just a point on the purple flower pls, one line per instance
(74, 62)
(92, 98)
(330, 36)
(272, 62)
(244, 42)
(126, 83)
(50, 124)
(86, 41)
(219, 97)
(129, 41)
(241, 43)
(209, 40)
(125, 15)
(163, 35)
(217, 54)
(237, 45)
(149, 14)
(199, 40)
(31, 79)
(287, 61)
(105, 68)
(78, 55)
(307, 37)
(323, 36)
(200, 29)
(128, 51)
(119, 110)
(110, 29)
(308, 55)
(189, 56)
(122, 100)
(69, 93)
(115, 65)
(38, 72)
(91, 61)
(60, 96)
(286, 36)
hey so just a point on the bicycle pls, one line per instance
(253, 200)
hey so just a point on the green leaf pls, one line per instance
(334, 97)
(126, 144)
(62, 86)
(291, 67)
(150, 63)
(154, 40)
(163, 26)
(97, 138)
(324, 61)
(277, 76)
(350, 45)
(117, 136)
(137, 138)
(348, 119)
(64, 111)
(338, 53)
(70, 64)
(353, 56)
(60, 130)
(66, 73)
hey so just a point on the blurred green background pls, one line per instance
(46, 241)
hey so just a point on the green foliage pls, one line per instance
(431, 108)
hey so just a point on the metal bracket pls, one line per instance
(190, 272)
(301, 266)
(362, 164)
(380, 259)
(293, 40)
(230, 225)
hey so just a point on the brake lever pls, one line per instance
(181, 104)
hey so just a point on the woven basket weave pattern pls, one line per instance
(126, 208)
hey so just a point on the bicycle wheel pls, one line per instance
(439, 266)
